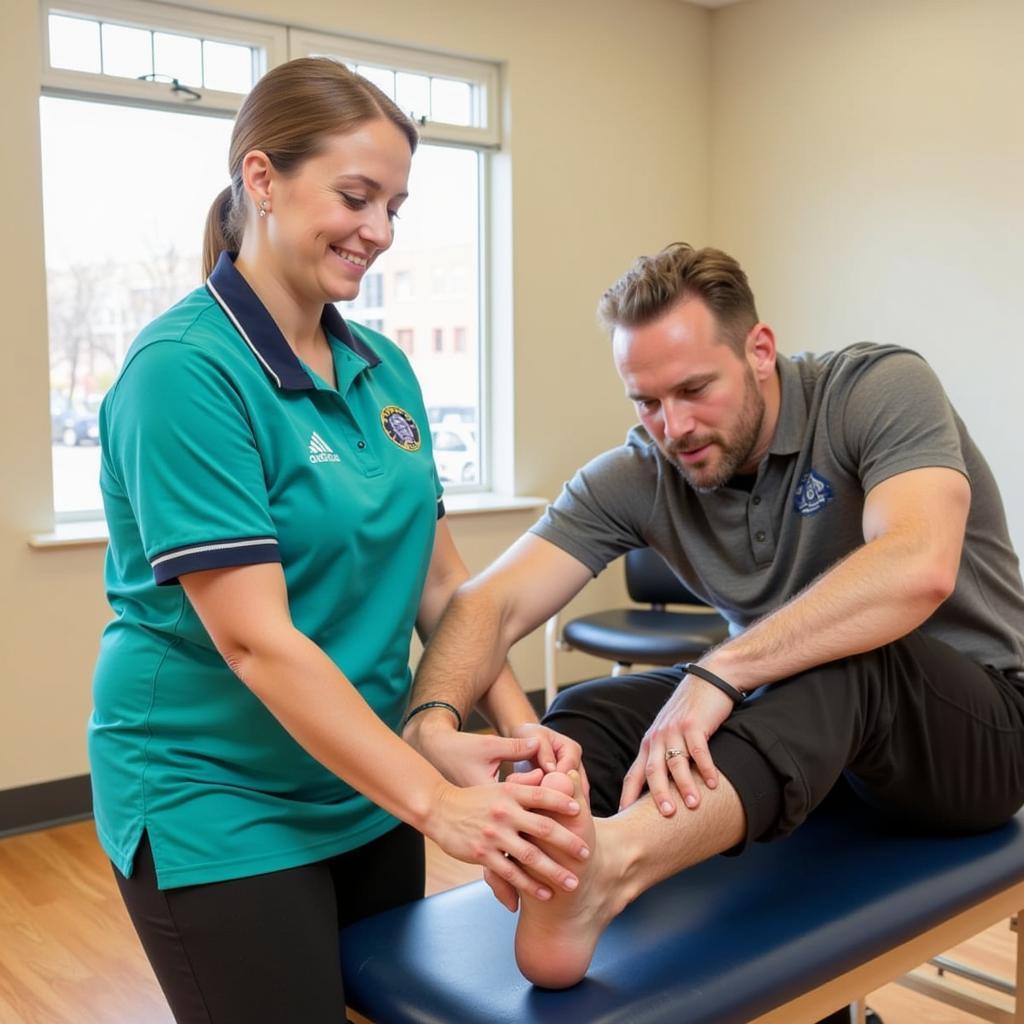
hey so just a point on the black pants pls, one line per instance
(918, 730)
(264, 949)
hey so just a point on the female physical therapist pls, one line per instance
(275, 535)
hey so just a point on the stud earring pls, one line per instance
(263, 207)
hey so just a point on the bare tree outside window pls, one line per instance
(123, 238)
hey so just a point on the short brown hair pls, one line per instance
(288, 114)
(654, 283)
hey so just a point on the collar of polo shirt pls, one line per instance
(256, 326)
(791, 426)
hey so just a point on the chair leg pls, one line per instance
(551, 645)
(1018, 999)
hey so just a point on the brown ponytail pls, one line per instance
(216, 235)
(287, 115)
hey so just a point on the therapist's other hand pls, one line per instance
(492, 825)
(676, 746)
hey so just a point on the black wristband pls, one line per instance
(427, 705)
(736, 696)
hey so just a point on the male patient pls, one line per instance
(835, 510)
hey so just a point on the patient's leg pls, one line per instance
(630, 852)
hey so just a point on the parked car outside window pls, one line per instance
(455, 452)
(71, 426)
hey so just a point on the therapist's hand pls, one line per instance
(493, 826)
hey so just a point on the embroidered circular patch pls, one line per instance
(400, 427)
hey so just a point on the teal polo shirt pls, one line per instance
(221, 448)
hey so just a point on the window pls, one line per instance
(403, 285)
(459, 339)
(438, 339)
(123, 80)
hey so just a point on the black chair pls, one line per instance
(639, 636)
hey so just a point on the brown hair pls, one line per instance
(287, 115)
(654, 283)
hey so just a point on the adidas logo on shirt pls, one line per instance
(320, 450)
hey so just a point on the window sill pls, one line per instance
(487, 501)
(92, 532)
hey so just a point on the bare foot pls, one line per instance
(556, 938)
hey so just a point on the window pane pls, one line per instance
(384, 78)
(74, 44)
(127, 52)
(412, 93)
(179, 57)
(437, 237)
(227, 67)
(451, 101)
(119, 259)
(373, 290)
(403, 285)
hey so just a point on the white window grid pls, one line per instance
(268, 43)
(482, 78)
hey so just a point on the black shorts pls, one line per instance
(918, 730)
(264, 949)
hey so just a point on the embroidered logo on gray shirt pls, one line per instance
(813, 493)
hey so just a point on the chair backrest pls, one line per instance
(649, 580)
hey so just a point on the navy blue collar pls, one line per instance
(256, 326)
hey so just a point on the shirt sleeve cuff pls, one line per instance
(218, 554)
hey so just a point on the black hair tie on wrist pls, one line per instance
(427, 705)
(736, 696)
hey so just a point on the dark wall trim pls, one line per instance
(26, 808)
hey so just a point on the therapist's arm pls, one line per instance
(245, 611)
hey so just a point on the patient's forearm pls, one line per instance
(505, 705)
(465, 656)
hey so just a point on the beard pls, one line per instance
(736, 449)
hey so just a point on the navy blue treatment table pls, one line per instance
(786, 933)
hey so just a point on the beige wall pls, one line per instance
(864, 161)
(608, 104)
(868, 168)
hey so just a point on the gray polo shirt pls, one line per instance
(848, 420)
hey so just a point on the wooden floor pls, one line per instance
(68, 954)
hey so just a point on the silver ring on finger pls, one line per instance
(674, 752)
